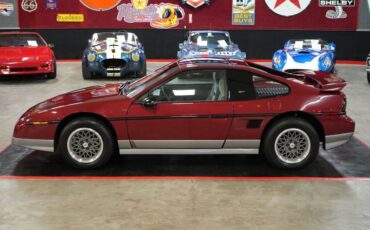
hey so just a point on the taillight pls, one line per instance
(4, 67)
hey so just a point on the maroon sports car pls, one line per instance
(195, 106)
(25, 53)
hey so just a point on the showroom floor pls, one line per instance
(178, 203)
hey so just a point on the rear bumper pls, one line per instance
(334, 141)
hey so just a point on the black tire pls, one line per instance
(52, 75)
(86, 74)
(72, 153)
(368, 77)
(143, 71)
(278, 135)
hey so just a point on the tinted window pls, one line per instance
(194, 85)
(245, 86)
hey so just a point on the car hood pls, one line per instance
(302, 56)
(93, 93)
(24, 54)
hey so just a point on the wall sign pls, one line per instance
(51, 4)
(160, 16)
(287, 8)
(70, 18)
(338, 12)
(6, 8)
(29, 5)
(196, 3)
(100, 5)
(243, 12)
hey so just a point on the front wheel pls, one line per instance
(291, 143)
(142, 71)
(86, 74)
(86, 143)
(52, 75)
(368, 77)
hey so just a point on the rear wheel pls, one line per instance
(86, 74)
(86, 143)
(291, 143)
(52, 75)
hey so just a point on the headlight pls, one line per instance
(277, 60)
(327, 62)
(91, 57)
(135, 57)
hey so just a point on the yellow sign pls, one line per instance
(70, 18)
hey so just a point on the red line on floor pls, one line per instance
(344, 62)
(3, 148)
(199, 178)
(361, 141)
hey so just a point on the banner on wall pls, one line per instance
(8, 14)
(243, 12)
(172, 14)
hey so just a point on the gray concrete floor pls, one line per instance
(177, 204)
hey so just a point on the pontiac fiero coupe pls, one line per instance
(195, 106)
(26, 53)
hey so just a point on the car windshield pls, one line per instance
(308, 44)
(121, 37)
(210, 38)
(27, 40)
(141, 84)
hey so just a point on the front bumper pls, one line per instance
(130, 68)
(36, 144)
(13, 71)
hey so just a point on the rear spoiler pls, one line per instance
(326, 82)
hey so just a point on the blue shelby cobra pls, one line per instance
(213, 44)
(114, 54)
(305, 54)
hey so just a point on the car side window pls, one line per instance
(265, 87)
(193, 85)
(244, 85)
(240, 85)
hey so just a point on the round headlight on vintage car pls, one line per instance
(135, 57)
(327, 62)
(91, 57)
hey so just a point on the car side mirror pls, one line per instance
(50, 45)
(181, 46)
(150, 102)
(332, 46)
(89, 41)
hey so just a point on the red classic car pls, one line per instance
(195, 106)
(25, 53)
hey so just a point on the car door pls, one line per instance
(255, 98)
(191, 111)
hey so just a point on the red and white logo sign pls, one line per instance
(195, 3)
(288, 8)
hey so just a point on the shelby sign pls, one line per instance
(331, 3)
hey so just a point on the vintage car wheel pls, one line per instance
(53, 75)
(86, 74)
(86, 143)
(291, 143)
(142, 72)
(368, 77)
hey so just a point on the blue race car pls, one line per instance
(213, 44)
(114, 54)
(305, 54)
